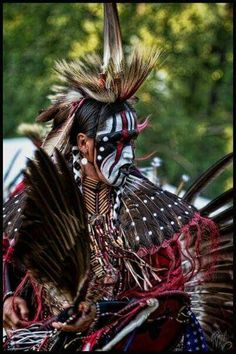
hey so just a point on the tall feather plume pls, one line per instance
(112, 48)
(53, 241)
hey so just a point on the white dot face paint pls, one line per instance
(118, 152)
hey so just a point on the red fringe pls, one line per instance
(7, 258)
(198, 230)
(184, 245)
(37, 293)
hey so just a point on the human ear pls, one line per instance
(82, 140)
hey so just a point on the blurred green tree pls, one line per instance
(189, 98)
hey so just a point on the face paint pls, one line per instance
(114, 149)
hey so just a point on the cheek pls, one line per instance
(102, 153)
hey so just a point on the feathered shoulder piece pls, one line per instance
(113, 78)
(149, 215)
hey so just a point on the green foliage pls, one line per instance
(189, 98)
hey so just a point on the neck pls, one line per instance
(89, 171)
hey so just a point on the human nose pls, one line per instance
(128, 153)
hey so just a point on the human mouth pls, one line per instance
(125, 168)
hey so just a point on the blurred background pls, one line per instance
(190, 98)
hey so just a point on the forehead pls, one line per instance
(125, 120)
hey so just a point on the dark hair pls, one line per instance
(92, 115)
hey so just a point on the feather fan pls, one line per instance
(212, 301)
(205, 178)
(53, 241)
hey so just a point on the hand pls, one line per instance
(15, 319)
(83, 323)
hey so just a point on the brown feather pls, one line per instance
(58, 137)
(53, 241)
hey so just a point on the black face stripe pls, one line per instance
(113, 129)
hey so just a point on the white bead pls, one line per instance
(161, 227)
(15, 229)
(155, 214)
(144, 218)
(3, 209)
(17, 201)
(149, 232)
(9, 223)
(101, 148)
(169, 205)
(175, 203)
(162, 209)
(105, 138)
(186, 212)
(99, 157)
(152, 198)
(190, 207)
(145, 201)
(127, 210)
(179, 217)
(84, 161)
(19, 210)
(137, 238)
(4, 215)
(172, 222)
(133, 223)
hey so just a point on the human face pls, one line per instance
(114, 150)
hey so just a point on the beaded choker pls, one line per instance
(96, 196)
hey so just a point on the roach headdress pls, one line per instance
(115, 78)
